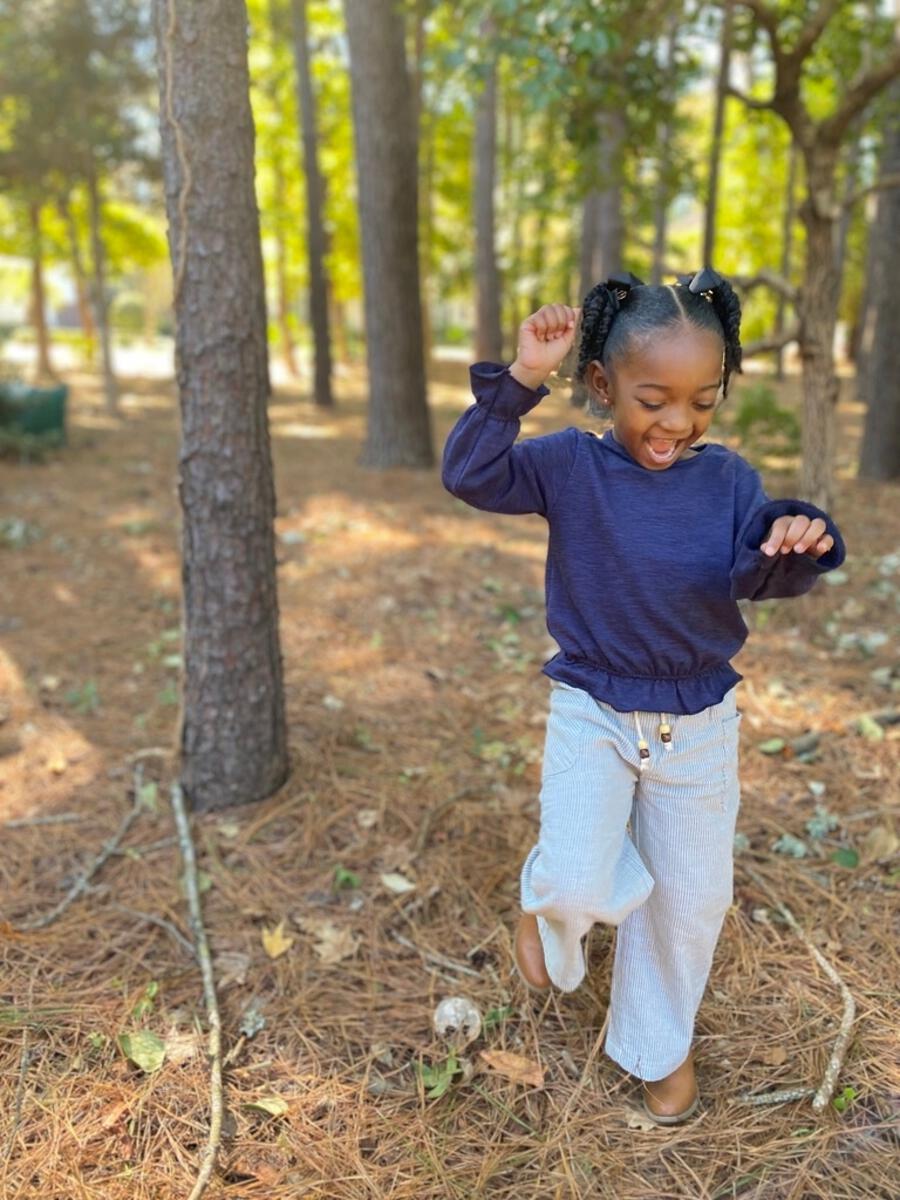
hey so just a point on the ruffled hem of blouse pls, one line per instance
(682, 696)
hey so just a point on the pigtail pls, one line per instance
(599, 310)
(723, 300)
(727, 308)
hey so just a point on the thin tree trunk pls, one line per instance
(787, 243)
(85, 316)
(316, 236)
(426, 172)
(817, 311)
(489, 331)
(515, 199)
(399, 430)
(879, 359)
(38, 302)
(539, 264)
(281, 272)
(101, 300)
(233, 737)
(715, 150)
(602, 225)
(663, 184)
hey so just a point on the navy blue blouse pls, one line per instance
(644, 568)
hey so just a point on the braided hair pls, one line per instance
(623, 310)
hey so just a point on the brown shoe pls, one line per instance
(675, 1098)
(529, 954)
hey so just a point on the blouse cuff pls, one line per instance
(501, 394)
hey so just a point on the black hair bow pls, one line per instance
(706, 280)
(622, 284)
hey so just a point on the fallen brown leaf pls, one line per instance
(514, 1067)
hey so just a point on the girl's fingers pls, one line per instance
(795, 530)
(775, 537)
(822, 546)
(811, 536)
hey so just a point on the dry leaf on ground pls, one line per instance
(334, 943)
(276, 941)
(514, 1067)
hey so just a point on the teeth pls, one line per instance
(662, 450)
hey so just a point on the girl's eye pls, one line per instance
(652, 407)
(657, 407)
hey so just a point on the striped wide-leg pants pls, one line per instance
(667, 885)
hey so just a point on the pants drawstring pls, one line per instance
(665, 734)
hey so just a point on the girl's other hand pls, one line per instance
(545, 339)
(799, 534)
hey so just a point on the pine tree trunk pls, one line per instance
(101, 300)
(602, 225)
(817, 313)
(787, 243)
(281, 273)
(489, 331)
(664, 164)
(38, 301)
(715, 150)
(233, 736)
(85, 316)
(316, 236)
(399, 430)
(426, 174)
(879, 367)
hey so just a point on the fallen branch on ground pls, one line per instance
(823, 1095)
(201, 944)
(84, 879)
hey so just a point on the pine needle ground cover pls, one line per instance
(383, 878)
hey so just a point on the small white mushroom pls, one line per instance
(457, 1018)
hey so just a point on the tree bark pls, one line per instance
(602, 225)
(232, 735)
(603, 229)
(316, 236)
(787, 243)
(489, 331)
(101, 298)
(38, 301)
(817, 312)
(664, 166)
(715, 150)
(281, 272)
(426, 173)
(399, 430)
(80, 275)
(879, 367)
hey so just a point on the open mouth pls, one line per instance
(662, 450)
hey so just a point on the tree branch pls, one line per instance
(857, 96)
(750, 101)
(776, 342)
(767, 19)
(813, 30)
(883, 184)
(202, 952)
(766, 279)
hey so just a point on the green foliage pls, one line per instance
(759, 415)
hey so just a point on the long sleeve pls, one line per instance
(483, 464)
(759, 576)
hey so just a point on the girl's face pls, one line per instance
(662, 395)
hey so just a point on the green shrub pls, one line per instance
(759, 415)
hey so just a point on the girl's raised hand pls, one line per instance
(545, 339)
(800, 534)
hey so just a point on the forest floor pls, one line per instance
(387, 866)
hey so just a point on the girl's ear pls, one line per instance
(598, 383)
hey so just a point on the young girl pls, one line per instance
(654, 535)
